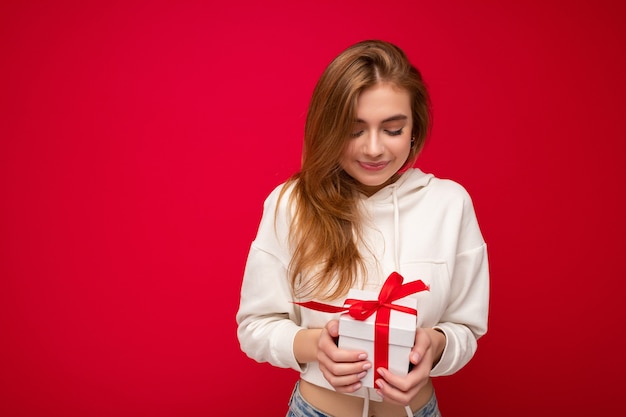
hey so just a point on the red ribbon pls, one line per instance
(392, 290)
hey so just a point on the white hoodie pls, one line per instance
(420, 226)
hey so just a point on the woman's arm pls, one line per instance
(267, 319)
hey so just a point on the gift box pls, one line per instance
(382, 324)
(362, 335)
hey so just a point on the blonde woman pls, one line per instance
(355, 213)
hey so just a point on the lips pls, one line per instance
(373, 166)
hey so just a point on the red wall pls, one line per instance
(139, 139)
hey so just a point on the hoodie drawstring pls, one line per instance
(366, 402)
(396, 227)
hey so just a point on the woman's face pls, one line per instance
(380, 142)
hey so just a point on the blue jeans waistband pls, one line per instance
(299, 407)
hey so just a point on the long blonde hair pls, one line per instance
(327, 224)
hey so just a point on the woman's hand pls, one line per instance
(343, 369)
(400, 390)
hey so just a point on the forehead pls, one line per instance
(382, 101)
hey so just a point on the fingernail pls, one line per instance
(362, 375)
(356, 386)
(381, 371)
(367, 366)
(415, 357)
(362, 356)
(379, 383)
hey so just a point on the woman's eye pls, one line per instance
(394, 132)
(356, 134)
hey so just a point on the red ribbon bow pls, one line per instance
(392, 290)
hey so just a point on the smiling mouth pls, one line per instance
(373, 166)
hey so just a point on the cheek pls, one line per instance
(402, 154)
(402, 147)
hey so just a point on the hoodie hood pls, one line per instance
(409, 182)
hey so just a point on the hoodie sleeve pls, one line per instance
(267, 320)
(465, 319)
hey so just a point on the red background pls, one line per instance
(139, 139)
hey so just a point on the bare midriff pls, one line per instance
(342, 405)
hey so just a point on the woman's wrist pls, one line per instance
(305, 345)
(438, 340)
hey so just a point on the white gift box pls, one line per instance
(359, 335)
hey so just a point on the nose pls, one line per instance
(373, 145)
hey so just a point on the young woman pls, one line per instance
(356, 212)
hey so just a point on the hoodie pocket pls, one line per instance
(430, 304)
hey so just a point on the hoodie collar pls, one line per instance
(410, 181)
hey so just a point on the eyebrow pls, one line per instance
(389, 119)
